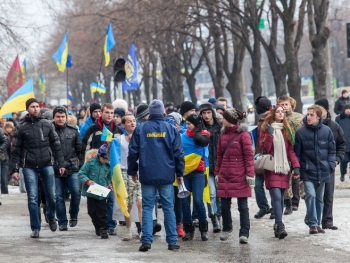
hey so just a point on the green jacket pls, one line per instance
(96, 171)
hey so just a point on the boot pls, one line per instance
(289, 208)
(189, 230)
(216, 224)
(272, 215)
(342, 177)
(203, 227)
(103, 233)
(275, 230)
(281, 232)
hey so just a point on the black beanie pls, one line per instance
(195, 119)
(262, 104)
(60, 110)
(30, 101)
(120, 112)
(186, 106)
(142, 111)
(93, 107)
(323, 103)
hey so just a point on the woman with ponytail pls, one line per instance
(277, 139)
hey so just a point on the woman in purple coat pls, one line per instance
(277, 139)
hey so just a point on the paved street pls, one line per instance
(80, 244)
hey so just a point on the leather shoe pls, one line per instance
(261, 213)
(173, 246)
(144, 247)
(35, 234)
(330, 227)
(63, 228)
(53, 225)
(73, 222)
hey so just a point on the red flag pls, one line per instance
(14, 78)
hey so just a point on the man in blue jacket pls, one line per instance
(315, 149)
(155, 151)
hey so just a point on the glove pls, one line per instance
(205, 132)
(296, 171)
(269, 129)
(250, 181)
(89, 182)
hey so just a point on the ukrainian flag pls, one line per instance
(95, 87)
(17, 101)
(117, 178)
(193, 155)
(109, 43)
(24, 70)
(61, 54)
(107, 135)
(42, 84)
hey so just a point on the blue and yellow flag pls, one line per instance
(193, 155)
(61, 54)
(107, 135)
(117, 178)
(131, 70)
(24, 70)
(69, 95)
(42, 84)
(17, 101)
(95, 87)
(109, 43)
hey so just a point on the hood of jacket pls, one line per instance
(90, 154)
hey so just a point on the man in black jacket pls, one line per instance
(340, 145)
(343, 100)
(344, 122)
(35, 145)
(71, 146)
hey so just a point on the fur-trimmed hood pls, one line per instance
(240, 127)
(90, 154)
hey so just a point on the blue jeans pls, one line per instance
(166, 193)
(277, 195)
(31, 179)
(71, 183)
(194, 183)
(110, 203)
(260, 195)
(314, 192)
(212, 208)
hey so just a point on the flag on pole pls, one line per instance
(69, 61)
(42, 84)
(69, 95)
(131, 70)
(107, 135)
(117, 177)
(17, 101)
(95, 87)
(109, 43)
(24, 70)
(61, 54)
(14, 78)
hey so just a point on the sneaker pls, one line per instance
(225, 234)
(127, 237)
(35, 234)
(313, 230)
(320, 230)
(104, 233)
(261, 213)
(111, 232)
(73, 222)
(173, 246)
(180, 230)
(63, 228)
(243, 240)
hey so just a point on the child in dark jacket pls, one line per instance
(96, 170)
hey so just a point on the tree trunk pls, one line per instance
(191, 82)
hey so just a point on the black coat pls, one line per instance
(339, 104)
(36, 145)
(4, 143)
(315, 149)
(71, 147)
(344, 122)
(213, 143)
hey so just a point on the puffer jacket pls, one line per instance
(36, 145)
(96, 171)
(272, 179)
(156, 145)
(4, 143)
(213, 143)
(236, 163)
(315, 149)
(71, 147)
(344, 122)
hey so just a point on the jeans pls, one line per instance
(277, 203)
(71, 183)
(314, 192)
(260, 195)
(97, 210)
(344, 163)
(177, 206)
(4, 168)
(243, 215)
(212, 208)
(327, 214)
(31, 178)
(194, 183)
(110, 203)
(166, 193)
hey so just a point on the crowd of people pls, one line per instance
(207, 150)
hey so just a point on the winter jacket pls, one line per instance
(156, 145)
(88, 122)
(338, 135)
(295, 120)
(315, 149)
(273, 179)
(344, 122)
(71, 146)
(96, 171)
(339, 104)
(4, 142)
(36, 145)
(236, 163)
(213, 143)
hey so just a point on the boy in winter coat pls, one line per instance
(96, 170)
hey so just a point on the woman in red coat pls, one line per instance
(235, 172)
(277, 139)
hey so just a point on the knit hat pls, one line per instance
(102, 151)
(186, 106)
(156, 107)
(177, 116)
(30, 101)
(121, 104)
(343, 91)
(195, 119)
(218, 106)
(93, 107)
(212, 100)
(60, 110)
(323, 103)
(120, 112)
(42, 104)
(233, 115)
(262, 104)
(142, 111)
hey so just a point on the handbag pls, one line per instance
(263, 162)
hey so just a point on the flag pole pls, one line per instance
(67, 87)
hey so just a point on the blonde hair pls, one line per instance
(72, 120)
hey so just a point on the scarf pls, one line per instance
(280, 153)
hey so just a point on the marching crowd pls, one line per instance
(208, 150)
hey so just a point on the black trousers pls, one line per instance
(327, 214)
(296, 192)
(97, 210)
